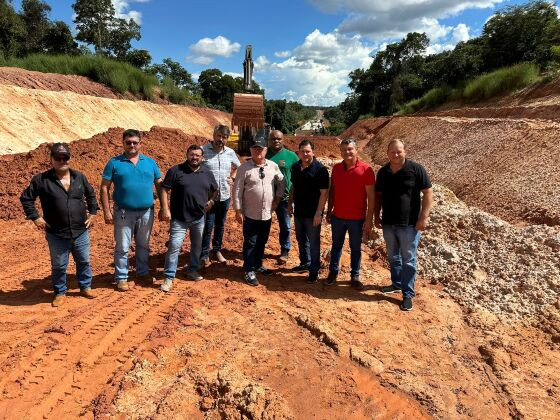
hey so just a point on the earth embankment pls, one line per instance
(506, 166)
(34, 116)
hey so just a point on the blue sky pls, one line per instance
(303, 49)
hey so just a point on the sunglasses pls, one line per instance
(261, 173)
(276, 138)
(132, 143)
(61, 159)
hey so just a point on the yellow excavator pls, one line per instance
(248, 109)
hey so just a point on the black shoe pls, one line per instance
(331, 278)
(390, 289)
(406, 304)
(284, 256)
(265, 271)
(300, 269)
(312, 278)
(356, 283)
(251, 278)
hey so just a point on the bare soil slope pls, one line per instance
(30, 117)
(221, 349)
(506, 166)
(12, 76)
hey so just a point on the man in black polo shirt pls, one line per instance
(65, 220)
(193, 191)
(309, 193)
(405, 215)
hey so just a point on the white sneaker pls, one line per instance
(166, 286)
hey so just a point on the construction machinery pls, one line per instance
(248, 108)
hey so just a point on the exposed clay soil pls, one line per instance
(221, 349)
(505, 166)
(13, 76)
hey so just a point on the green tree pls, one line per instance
(94, 19)
(12, 30)
(35, 17)
(139, 58)
(59, 40)
(521, 33)
(121, 34)
(177, 73)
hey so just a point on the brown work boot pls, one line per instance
(59, 300)
(122, 286)
(87, 293)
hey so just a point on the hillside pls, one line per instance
(38, 108)
(482, 342)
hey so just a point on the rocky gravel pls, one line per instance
(488, 264)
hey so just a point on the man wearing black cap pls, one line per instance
(254, 200)
(65, 220)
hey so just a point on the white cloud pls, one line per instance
(207, 49)
(437, 48)
(261, 63)
(461, 33)
(317, 71)
(282, 54)
(121, 10)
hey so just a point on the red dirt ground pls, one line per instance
(219, 349)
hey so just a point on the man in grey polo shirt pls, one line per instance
(254, 200)
(222, 162)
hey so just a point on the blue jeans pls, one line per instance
(255, 237)
(285, 224)
(177, 232)
(355, 232)
(215, 220)
(128, 224)
(309, 241)
(402, 244)
(59, 249)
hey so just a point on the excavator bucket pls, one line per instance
(248, 116)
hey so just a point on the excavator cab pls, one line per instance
(248, 108)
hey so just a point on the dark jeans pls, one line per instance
(309, 241)
(255, 237)
(215, 220)
(402, 244)
(285, 224)
(60, 249)
(355, 231)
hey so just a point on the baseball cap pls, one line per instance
(60, 149)
(260, 140)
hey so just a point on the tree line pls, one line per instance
(403, 71)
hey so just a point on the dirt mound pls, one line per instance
(31, 117)
(13, 76)
(167, 146)
(325, 146)
(507, 167)
(512, 272)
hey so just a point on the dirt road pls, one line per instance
(219, 348)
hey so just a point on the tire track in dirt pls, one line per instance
(110, 332)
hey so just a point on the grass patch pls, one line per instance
(501, 81)
(170, 91)
(488, 85)
(117, 75)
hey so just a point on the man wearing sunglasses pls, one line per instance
(259, 187)
(65, 220)
(134, 176)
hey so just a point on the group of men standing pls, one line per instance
(195, 196)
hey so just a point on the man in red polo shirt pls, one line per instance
(350, 208)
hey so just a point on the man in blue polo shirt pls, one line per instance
(133, 176)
